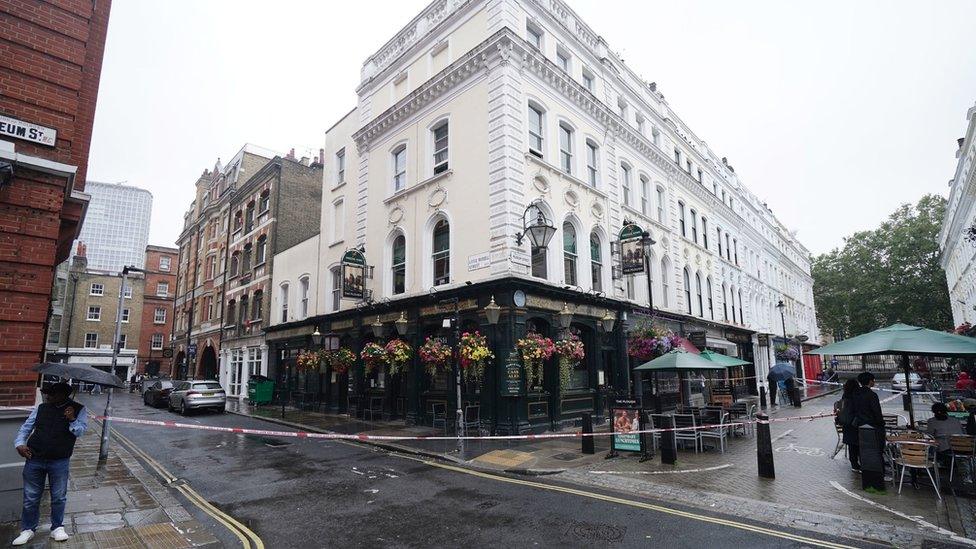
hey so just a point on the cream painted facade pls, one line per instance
(959, 256)
(480, 66)
(295, 282)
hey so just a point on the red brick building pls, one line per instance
(155, 354)
(50, 64)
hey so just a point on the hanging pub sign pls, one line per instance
(354, 274)
(631, 249)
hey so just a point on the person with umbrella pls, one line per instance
(46, 440)
(779, 372)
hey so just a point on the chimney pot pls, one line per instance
(960, 141)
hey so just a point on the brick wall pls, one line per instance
(154, 275)
(50, 64)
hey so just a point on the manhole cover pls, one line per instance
(269, 442)
(567, 456)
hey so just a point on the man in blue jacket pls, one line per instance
(46, 440)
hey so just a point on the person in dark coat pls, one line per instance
(864, 409)
(772, 384)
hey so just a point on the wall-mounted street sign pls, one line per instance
(479, 261)
(353, 274)
(11, 127)
(631, 249)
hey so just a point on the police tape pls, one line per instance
(395, 438)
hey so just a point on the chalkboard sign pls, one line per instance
(512, 384)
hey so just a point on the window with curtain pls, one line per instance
(596, 263)
(687, 282)
(399, 264)
(569, 254)
(441, 256)
(440, 147)
(536, 133)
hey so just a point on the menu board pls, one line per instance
(512, 384)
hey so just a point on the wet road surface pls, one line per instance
(315, 493)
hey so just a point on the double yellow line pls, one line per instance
(248, 539)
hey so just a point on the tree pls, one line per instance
(887, 275)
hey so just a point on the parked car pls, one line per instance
(195, 395)
(157, 393)
(914, 380)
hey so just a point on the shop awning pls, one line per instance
(720, 342)
(678, 360)
(723, 360)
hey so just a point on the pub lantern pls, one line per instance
(608, 321)
(493, 312)
(401, 325)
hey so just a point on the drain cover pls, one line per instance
(269, 442)
(567, 456)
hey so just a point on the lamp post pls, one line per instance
(782, 315)
(607, 323)
(492, 314)
(103, 446)
(540, 231)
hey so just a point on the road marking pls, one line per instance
(802, 450)
(638, 504)
(917, 520)
(781, 435)
(701, 470)
(239, 530)
(13, 464)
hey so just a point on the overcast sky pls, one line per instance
(834, 112)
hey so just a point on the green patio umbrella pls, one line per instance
(904, 340)
(679, 361)
(725, 361)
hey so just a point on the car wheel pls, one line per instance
(221, 410)
(145, 399)
(183, 409)
(169, 405)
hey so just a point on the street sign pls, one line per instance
(11, 127)
(512, 384)
(631, 249)
(353, 274)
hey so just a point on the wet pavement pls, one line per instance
(305, 492)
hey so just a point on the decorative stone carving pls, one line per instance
(597, 210)
(396, 215)
(437, 197)
(572, 199)
(540, 183)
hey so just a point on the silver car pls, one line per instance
(898, 382)
(194, 395)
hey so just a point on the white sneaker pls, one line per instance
(58, 534)
(23, 538)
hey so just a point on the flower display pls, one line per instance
(341, 360)
(570, 352)
(646, 341)
(398, 355)
(308, 361)
(787, 353)
(474, 354)
(535, 350)
(373, 355)
(435, 354)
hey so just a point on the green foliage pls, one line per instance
(887, 275)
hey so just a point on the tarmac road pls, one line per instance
(314, 493)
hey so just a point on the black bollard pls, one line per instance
(762, 397)
(764, 447)
(906, 402)
(669, 453)
(795, 396)
(872, 458)
(588, 447)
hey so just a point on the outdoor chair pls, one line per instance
(744, 419)
(722, 400)
(472, 418)
(963, 448)
(375, 407)
(438, 414)
(688, 435)
(655, 421)
(917, 455)
(719, 431)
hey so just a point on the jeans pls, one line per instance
(35, 471)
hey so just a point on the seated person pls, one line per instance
(942, 427)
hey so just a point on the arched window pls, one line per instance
(694, 226)
(246, 259)
(732, 303)
(537, 131)
(665, 286)
(243, 311)
(259, 254)
(256, 305)
(265, 201)
(681, 219)
(704, 223)
(596, 262)
(569, 254)
(718, 234)
(335, 273)
(235, 264)
(399, 264)
(399, 168)
(303, 295)
(231, 313)
(698, 289)
(687, 281)
(249, 217)
(711, 305)
(441, 255)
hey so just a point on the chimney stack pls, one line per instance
(322, 157)
(960, 141)
(305, 160)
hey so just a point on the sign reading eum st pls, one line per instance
(11, 127)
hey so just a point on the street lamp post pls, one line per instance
(492, 314)
(782, 315)
(103, 446)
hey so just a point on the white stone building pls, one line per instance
(958, 254)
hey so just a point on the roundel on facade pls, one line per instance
(597, 210)
(396, 215)
(437, 197)
(540, 184)
(572, 199)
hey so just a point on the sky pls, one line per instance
(833, 112)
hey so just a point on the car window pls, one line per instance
(155, 385)
(209, 386)
(164, 384)
(181, 386)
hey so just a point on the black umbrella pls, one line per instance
(80, 372)
(781, 372)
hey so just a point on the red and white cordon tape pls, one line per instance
(394, 438)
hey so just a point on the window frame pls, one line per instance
(592, 163)
(398, 269)
(625, 179)
(159, 318)
(283, 291)
(539, 133)
(303, 288)
(570, 257)
(92, 289)
(440, 257)
(399, 180)
(682, 223)
(596, 262)
(566, 137)
(261, 251)
(535, 36)
(152, 342)
(93, 340)
(94, 313)
(443, 165)
(340, 160)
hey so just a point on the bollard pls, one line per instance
(872, 459)
(795, 396)
(906, 402)
(588, 447)
(764, 447)
(762, 397)
(669, 453)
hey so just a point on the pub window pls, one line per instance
(399, 265)
(441, 256)
(569, 254)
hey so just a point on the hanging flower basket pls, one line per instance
(398, 355)
(570, 352)
(646, 341)
(474, 354)
(535, 350)
(341, 360)
(435, 354)
(373, 355)
(308, 361)
(786, 353)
